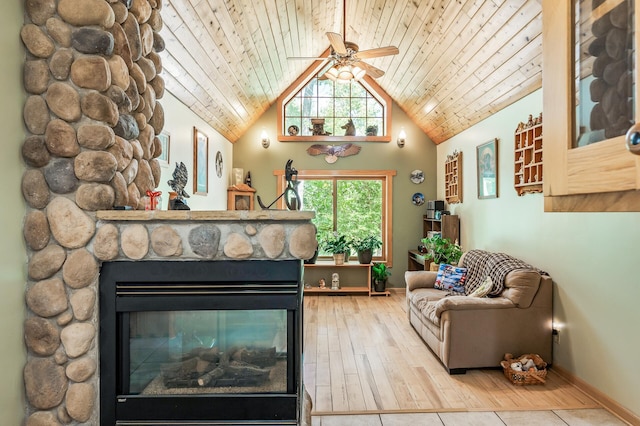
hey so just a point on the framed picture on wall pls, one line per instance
(200, 162)
(165, 144)
(487, 164)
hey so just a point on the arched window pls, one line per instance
(334, 104)
(311, 100)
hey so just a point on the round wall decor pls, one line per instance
(417, 176)
(417, 199)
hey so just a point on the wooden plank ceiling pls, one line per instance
(460, 60)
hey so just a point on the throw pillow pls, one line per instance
(483, 289)
(451, 278)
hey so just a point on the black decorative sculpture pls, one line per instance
(290, 194)
(177, 184)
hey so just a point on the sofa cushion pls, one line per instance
(521, 287)
(429, 312)
(451, 278)
(421, 296)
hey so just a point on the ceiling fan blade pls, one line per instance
(370, 69)
(327, 67)
(306, 58)
(337, 43)
(375, 53)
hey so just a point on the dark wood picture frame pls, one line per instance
(487, 167)
(200, 162)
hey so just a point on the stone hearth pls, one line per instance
(61, 375)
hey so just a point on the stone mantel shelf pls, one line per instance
(204, 215)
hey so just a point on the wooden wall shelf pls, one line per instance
(453, 178)
(528, 156)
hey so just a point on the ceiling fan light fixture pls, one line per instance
(332, 74)
(358, 73)
(344, 73)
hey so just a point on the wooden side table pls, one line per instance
(417, 261)
(239, 200)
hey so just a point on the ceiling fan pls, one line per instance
(346, 59)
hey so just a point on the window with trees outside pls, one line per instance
(355, 203)
(336, 103)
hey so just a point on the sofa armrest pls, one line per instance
(452, 305)
(419, 279)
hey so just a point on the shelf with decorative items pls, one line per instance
(528, 156)
(325, 277)
(447, 227)
(453, 178)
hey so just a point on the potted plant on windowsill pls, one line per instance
(379, 275)
(441, 250)
(365, 247)
(338, 245)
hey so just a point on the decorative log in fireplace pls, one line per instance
(210, 367)
(213, 342)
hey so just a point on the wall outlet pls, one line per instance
(556, 335)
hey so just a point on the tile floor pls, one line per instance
(583, 417)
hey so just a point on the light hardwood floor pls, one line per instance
(362, 356)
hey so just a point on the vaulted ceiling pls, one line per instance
(460, 60)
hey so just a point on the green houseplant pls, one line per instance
(365, 247)
(442, 250)
(379, 275)
(338, 245)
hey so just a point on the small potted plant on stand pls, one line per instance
(441, 250)
(338, 245)
(365, 247)
(379, 275)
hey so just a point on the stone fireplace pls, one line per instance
(92, 77)
(62, 375)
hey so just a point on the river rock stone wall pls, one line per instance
(612, 87)
(92, 77)
(91, 114)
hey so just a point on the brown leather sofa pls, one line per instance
(473, 332)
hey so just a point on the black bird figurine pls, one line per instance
(179, 181)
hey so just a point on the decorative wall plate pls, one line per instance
(293, 130)
(417, 199)
(219, 164)
(417, 176)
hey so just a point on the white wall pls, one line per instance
(13, 258)
(179, 123)
(590, 256)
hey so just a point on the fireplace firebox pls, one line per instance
(201, 342)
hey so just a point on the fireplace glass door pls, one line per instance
(211, 342)
(207, 351)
